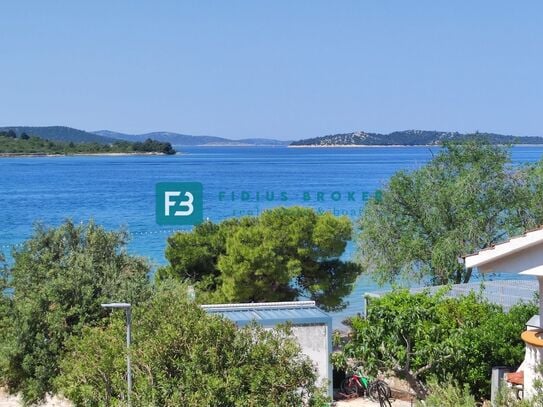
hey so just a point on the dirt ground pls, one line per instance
(7, 400)
(361, 402)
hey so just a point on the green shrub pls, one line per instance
(417, 336)
(182, 356)
(59, 278)
(447, 394)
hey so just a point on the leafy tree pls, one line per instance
(182, 356)
(25, 136)
(466, 198)
(530, 194)
(11, 133)
(418, 336)
(6, 326)
(280, 255)
(57, 282)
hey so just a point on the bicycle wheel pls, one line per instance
(384, 402)
(378, 390)
(348, 386)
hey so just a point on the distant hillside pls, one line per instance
(187, 140)
(407, 138)
(264, 142)
(60, 133)
(31, 145)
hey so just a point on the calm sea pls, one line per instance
(119, 191)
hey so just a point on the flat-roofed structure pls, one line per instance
(311, 327)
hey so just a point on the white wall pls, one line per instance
(314, 341)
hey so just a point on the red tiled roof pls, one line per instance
(515, 377)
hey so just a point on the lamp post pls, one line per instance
(128, 308)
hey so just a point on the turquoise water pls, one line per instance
(119, 191)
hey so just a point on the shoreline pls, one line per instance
(32, 155)
(391, 145)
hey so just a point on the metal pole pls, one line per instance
(128, 365)
(128, 308)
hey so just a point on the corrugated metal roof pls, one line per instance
(272, 313)
(502, 292)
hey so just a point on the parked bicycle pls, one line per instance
(376, 389)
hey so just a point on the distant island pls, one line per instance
(407, 138)
(105, 141)
(188, 140)
(69, 134)
(13, 144)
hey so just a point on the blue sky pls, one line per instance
(282, 69)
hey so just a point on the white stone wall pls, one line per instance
(313, 340)
(532, 359)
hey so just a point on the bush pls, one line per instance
(56, 285)
(418, 336)
(182, 356)
(448, 394)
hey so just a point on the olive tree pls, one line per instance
(469, 196)
(56, 284)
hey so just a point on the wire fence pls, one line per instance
(501, 292)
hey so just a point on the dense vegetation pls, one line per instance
(60, 133)
(55, 287)
(281, 255)
(448, 394)
(185, 357)
(152, 146)
(410, 138)
(56, 338)
(25, 144)
(422, 336)
(469, 196)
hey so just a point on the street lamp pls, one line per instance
(128, 309)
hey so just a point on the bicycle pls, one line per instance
(376, 390)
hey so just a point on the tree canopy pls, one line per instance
(419, 336)
(150, 146)
(25, 144)
(467, 197)
(182, 356)
(281, 255)
(59, 278)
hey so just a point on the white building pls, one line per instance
(311, 327)
(520, 255)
